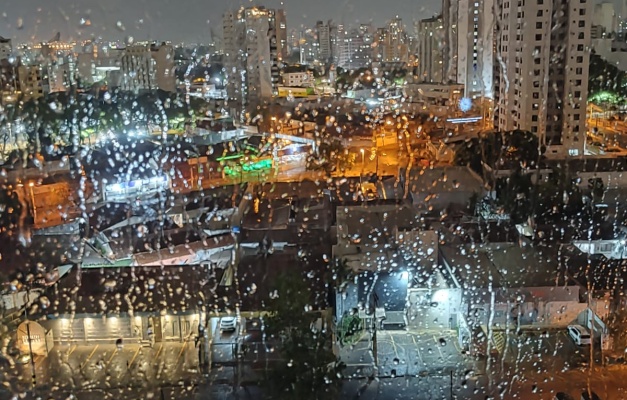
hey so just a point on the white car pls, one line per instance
(228, 324)
(579, 334)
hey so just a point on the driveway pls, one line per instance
(536, 352)
(403, 353)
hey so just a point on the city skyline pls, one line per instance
(162, 22)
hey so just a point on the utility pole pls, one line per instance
(30, 342)
(451, 384)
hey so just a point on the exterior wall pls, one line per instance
(560, 313)
(434, 94)
(5, 48)
(442, 200)
(281, 35)
(165, 78)
(100, 329)
(430, 51)
(137, 68)
(298, 79)
(475, 44)
(441, 312)
(31, 84)
(324, 41)
(541, 71)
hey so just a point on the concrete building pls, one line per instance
(30, 82)
(165, 77)
(430, 52)
(281, 34)
(352, 51)
(250, 49)
(394, 46)
(298, 79)
(324, 41)
(5, 48)
(469, 45)
(148, 67)
(541, 71)
(612, 49)
(604, 20)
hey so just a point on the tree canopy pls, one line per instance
(309, 370)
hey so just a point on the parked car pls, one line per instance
(579, 334)
(228, 324)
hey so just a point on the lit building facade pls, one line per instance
(251, 56)
(324, 41)
(148, 67)
(281, 34)
(430, 51)
(468, 39)
(541, 71)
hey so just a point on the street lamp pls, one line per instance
(363, 166)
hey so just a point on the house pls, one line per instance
(506, 286)
(395, 262)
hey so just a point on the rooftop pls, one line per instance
(438, 179)
(113, 291)
(504, 265)
(256, 276)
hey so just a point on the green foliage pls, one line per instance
(510, 150)
(350, 329)
(605, 77)
(514, 195)
(331, 156)
(559, 198)
(309, 370)
(67, 119)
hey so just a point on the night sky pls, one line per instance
(181, 20)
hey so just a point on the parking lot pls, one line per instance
(402, 353)
(110, 366)
(536, 352)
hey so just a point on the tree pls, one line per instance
(514, 195)
(309, 370)
(331, 155)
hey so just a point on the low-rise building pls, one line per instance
(139, 304)
(440, 188)
(298, 79)
(434, 94)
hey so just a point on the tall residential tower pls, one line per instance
(541, 70)
(251, 56)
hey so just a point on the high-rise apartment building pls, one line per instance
(323, 31)
(541, 70)
(251, 56)
(148, 67)
(353, 51)
(469, 44)
(395, 44)
(604, 20)
(5, 48)
(281, 34)
(430, 50)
